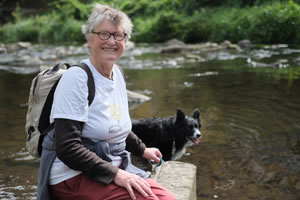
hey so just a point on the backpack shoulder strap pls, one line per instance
(90, 83)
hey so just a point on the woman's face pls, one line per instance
(106, 51)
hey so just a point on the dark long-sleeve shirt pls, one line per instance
(71, 151)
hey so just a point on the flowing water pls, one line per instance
(250, 146)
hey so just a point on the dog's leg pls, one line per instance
(178, 154)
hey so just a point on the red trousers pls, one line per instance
(82, 188)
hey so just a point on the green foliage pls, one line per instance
(7, 33)
(50, 28)
(194, 28)
(274, 21)
(162, 27)
(72, 9)
(59, 31)
(17, 13)
(25, 30)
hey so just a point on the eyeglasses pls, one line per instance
(104, 35)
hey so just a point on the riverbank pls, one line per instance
(277, 59)
(159, 21)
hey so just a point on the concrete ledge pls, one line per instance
(179, 178)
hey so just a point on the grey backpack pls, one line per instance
(40, 103)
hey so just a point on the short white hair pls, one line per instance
(102, 13)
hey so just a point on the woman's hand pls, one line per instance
(152, 154)
(130, 181)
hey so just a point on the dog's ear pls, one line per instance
(179, 116)
(196, 114)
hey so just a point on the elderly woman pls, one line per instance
(89, 159)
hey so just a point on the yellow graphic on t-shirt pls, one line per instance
(115, 111)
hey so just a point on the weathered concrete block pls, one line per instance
(179, 178)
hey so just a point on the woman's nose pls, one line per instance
(111, 39)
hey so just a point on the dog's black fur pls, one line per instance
(162, 133)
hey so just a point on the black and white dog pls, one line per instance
(169, 133)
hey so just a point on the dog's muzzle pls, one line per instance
(195, 137)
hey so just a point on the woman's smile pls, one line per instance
(109, 49)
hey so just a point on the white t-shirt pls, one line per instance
(107, 118)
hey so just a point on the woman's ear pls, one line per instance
(88, 41)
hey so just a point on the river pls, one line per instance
(250, 145)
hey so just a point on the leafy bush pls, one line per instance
(194, 28)
(25, 30)
(277, 23)
(72, 9)
(71, 32)
(8, 33)
(160, 20)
